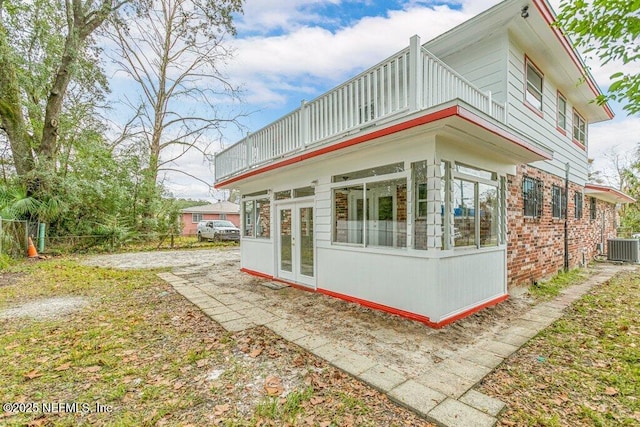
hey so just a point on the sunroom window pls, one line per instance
(371, 213)
(257, 218)
(476, 214)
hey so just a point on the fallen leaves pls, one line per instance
(33, 374)
(273, 385)
(588, 377)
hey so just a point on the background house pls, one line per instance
(219, 210)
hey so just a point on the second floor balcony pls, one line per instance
(407, 82)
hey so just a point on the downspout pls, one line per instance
(566, 216)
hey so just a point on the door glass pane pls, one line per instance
(285, 240)
(306, 241)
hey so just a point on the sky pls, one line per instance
(294, 50)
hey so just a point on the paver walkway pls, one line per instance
(443, 394)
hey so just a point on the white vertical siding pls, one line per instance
(543, 129)
(467, 280)
(257, 254)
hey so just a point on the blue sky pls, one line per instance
(287, 51)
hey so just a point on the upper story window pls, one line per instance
(579, 129)
(562, 112)
(533, 95)
(196, 217)
(532, 197)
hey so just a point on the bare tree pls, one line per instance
(174, 54)
(618, 163)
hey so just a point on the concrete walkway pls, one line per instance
(442, 394)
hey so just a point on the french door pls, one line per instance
(296, 243)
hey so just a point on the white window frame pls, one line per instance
(196, 217)
(579, 124)
(530, 89)
(562, 113)
(254, 218)
(363, 182)
(449, 218)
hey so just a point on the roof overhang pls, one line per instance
(455, 118)
(608, 194)
(544, 42)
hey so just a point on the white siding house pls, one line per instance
(398, 188)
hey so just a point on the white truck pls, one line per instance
(218, 230)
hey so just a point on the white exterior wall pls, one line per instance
(543, 129)
(431, 283)
(483, 64)
(257, 254)
(459, 288)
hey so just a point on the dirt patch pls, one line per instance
(49, 308)
(8, 279)
(408, 346)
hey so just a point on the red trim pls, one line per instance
(549, 17)
(604, 189)
(579, 144)
(486, 125)
(277, 279)
(428, 118)
(382, 307)
(469, 312)
(419, 121)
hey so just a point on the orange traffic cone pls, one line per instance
(32, 252)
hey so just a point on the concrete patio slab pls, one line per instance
(416, 396)
(446, 382)
(452, 412)
(483, 403)
(382, 378)
(482, 357)
(311, 342)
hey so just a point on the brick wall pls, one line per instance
(535, 246)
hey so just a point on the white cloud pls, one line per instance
(289, 62)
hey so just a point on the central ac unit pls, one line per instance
(627, 250)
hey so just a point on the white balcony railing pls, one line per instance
(399, 85)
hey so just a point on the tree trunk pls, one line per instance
(11, 116)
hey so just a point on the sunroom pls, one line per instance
(410, 220)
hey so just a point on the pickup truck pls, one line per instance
(217, 230)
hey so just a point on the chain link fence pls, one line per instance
(14, 236)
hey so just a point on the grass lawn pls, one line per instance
(583, 370)
(151, 358)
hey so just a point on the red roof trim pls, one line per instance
(605, 189)
(427, 118)
(549, 17)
